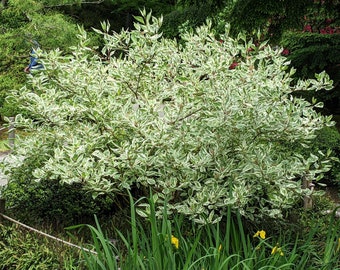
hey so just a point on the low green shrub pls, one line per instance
(50, 202)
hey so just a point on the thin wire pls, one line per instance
(46, 235)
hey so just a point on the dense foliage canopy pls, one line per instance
(205, 124)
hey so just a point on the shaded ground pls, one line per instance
(333, 193)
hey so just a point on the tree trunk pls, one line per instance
(2, 207)
(307, 200)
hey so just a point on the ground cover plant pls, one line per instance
(22, 249)
(208, 123)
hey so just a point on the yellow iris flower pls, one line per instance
(261, 234)
(277, 249)
(175, 241)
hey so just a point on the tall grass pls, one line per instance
(180, 244)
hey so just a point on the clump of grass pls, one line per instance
(180, 244)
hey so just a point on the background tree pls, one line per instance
(308, 29)
(21, 23)
(120, 13)
(273, 18)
